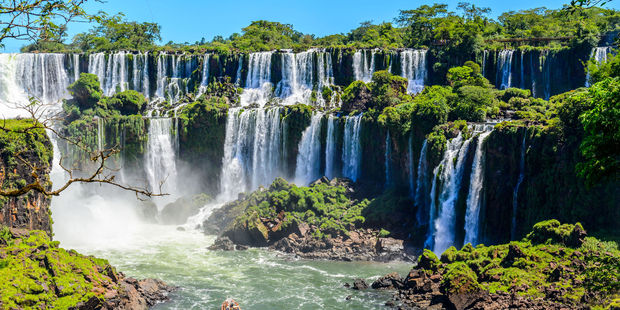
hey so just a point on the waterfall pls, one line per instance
(362, 68)
(114, 74)
(413, 68)
(160, 161)
(411, 169)
(258, 83)
(309, 156)
(476, 182)
(388, 154)
(546, 73)
(100, 134)
(504, 69)
(515, 195)
(42, 76)
(422, 187)
(522, 72)
(599, 55)
(205, 75)
(450, 174)
(484, 62)
(76, 66)
(533, 75)
(238, 74)
(252, 150)
(330, 147)
(351, 149)
(297, 78)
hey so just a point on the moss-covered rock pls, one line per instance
(35, 273)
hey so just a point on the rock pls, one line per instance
(147, 211)
(359, 284)
(240, 247)
(348, 297)
(389, 245)
(390, 281)
(514, 252)
(178, 212)
(222, 244)
(180, 228)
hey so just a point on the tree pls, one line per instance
(421, 22)
(600, 146)
(115, 33)
(39, 19)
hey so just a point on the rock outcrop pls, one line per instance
(37, 273)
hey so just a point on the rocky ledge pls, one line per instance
(36, 273)
(554, 267)
(322, 221)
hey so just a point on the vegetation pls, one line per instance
(36, 273)
(555, 261)
(463, 32)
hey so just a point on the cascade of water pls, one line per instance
(238, 74)
(160, 161)
(504, 69)
(100, 134)
(522, 71)
(515, 195)
(42, 76)
(140, 74)
(362, 68)
(309, 157)
(252, 150)
(546, 73)
(484, 62)
(112, 73)
(297, 78)
(205, 75)
(472, 214)
(413, 68)
(325, 75)
(422, 187)
(76, 66)
(351, 149)
(411, 169)
(388, 154)
(533, 74)
(258, 83)
(450, 173)
(330, 147)
(599, 54)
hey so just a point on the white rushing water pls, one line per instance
(160, 161)
(42, 76)
(363, 65)
(599, 54)
(504, 68)
(258, 83)
(472, 213)
(449, 174)
(388, 155)
(252, 150)
(330, 146)
(515, 195)
(204, 82)
(351, 148)
(413, 68)
(308, 167)
(421, 190)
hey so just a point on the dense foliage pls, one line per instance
(458, 33)
(555, 261)
(36, 273)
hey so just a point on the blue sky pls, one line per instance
(190, 20)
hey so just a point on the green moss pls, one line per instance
(18, 143)
(35, 273)
(546, 258)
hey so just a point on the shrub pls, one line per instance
(86, 91)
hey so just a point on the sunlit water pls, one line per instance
(257, 278)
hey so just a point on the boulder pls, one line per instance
(359, 284)
(390, 281)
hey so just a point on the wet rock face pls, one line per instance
(29, 211)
